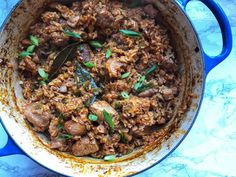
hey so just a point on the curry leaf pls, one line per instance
(64, 55)
(72, 34)
(34, 40)
(130, 33)
(83, 76)
(108, 119)
(108, 53)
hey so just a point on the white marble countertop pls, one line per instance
(210, 147)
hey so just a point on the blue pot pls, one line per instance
(195, 65)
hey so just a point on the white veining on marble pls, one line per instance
(210, 147)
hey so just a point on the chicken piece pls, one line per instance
(168, 93)
(47, 17)
(36, 114)
(28, 64)
(75, 128)
(147, 93)
(65, 11)
(53, 130)
(98, 107)
(70, 105)
(135, 106)
(84, 146)
(114, 68)
(56, 143)
(104, 19)
(150, 10)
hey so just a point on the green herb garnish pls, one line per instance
(151, 70)
(123, 138)
(125, 95)
(24, 54)
(92, 117)
(30, 49)
(95, 44)
(89, 64)
(43, 74)
(34, 40)
(65, 136)
(59, 125)
(130, 33)
(108, 53)
(108, 119)
(72, 34)
(125, 75)
(139, 85)
(110, 158)
(43, 83)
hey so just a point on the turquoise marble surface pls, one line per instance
(210, 147)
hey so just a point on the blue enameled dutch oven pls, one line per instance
(194, 67)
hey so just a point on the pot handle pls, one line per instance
(212, 61)
(10, 148)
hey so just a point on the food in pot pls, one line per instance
(100, 79)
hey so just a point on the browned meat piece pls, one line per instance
(168, 93)
(85, 53)
(168, 63)
(75, 128)
(120, 40)
(65, 11)
(104, 19)
(101, 129)
(150, 10)
(56, 143)
(47, 17)
(53, 130)
(135, 106)
(70, 105)
(98, 107)
(84, 146)
(54, 33)
(114, 68)
(35, 59)
(36, 114)
(28, 64)
(118, 86)
(25, 42)
(148, 93)
(73, 21)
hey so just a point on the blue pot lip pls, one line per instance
(182, 138)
